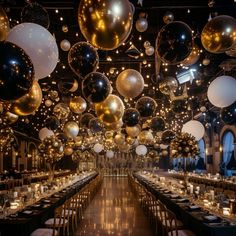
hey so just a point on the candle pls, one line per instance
(226, 211)
(15, 194)
(212, 193)
(191, 189)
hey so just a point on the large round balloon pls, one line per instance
(85, 119)
(131, 117)
(61, 111)
(168, 85)
(146, 106)
(167, 136)
(83, 59)
(35, 13)
(218, 35)
(71, 129)
(110, 110)
(133, 131)
(45, 133)
(221, 91)
(179, 106)
(105, 24)
(95, 125)
(174, 42)
(52, 123)
(141, 150)
(16, 72)
(195, 128)
(67, 85)
(77, 105)
(228, 114)
(130, 83)
(29, 103)
(96, 87)
(157, 124)
(4, 24)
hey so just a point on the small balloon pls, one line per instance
(141, 150)
(206, 61)
(228, 114)
(65, 45)
(45, 133)
(96, 87)
(61, 111)
(133, 131)
(11, 118)
(167, 136)
(114, 126)
(71, 129)
(4, 25)
(168, 84)
(48, 103)
(119, 139)
(179, 106)
(168, 17)
(83, 59)
(141, 25)
(95, 125)
(149, 51)
(68, 151)
(157, 124)
(52, 123)
(85, 119)
(145, 137)
(98, 147)
(131, 117)
(77, 105)
(67, 85)
(146, 106)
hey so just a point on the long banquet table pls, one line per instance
(192, 219)
(22, 224)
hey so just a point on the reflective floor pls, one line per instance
(114, 211)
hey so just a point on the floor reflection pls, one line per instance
(114, 211)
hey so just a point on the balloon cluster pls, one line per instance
(6, 137)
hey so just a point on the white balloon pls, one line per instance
(141, 150)
(110, 154)
(39, 44)
(44, 133)
(195, 128)
(98, 147)
(65, 45)
(222, 91)
(149, 50)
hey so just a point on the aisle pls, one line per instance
(114, 211)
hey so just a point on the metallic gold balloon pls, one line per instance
(71, 129)
(168, 17)
(133, 131)
(68, 151)
(29, 103)
(77, 105)
(11, 118)
(145, 137)
(106, 24)
(168, 84)
(4, 24)
(119, 139)
(130, 83)
(113, 126)
(219, 35)
(193, 57)
(61, 111)
(110, 110)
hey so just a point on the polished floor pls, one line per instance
(114, 211)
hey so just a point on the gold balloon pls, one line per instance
(29, 103)
(168, 84)
(11, 118)
(110, 110)
(219, 35)
(4, 25)
(119, 139)
(114, 126)
(133, 131)
(145, 137)
(68, 151)
(71, 129)
(78, 105)
(130, 140)
(130, 83)
(106, 24)
(193, 57)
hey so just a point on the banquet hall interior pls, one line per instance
(118, 117)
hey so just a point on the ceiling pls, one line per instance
(195, 13)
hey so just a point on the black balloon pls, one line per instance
(146, 106)
(96, 87)
(16, 72)
(62, 137)
(167, 136)
(131, 117)
(83, 59)
(85, 119)
(35, 13)
(157, 124)
(52, 123)
(179, 106)
(95, 125)
(67, 85)
(228, 114)
(174, 42)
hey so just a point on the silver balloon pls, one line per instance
(141, 25)
(149, 51)
(65, 45)
(71, 129)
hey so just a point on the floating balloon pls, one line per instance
(71, 129)
(131, 117)
(206, 61)
(11, 118)
(119, 139)
(39, 45)
(77, 105)
(52, 123)
(157, 124)
(168, 84)
(145, 137)
(61, 111)
(195, 128)
(109, 154)
(35, 13)
(141, 25)
(98, 147)
(146, 106)
(179, 106)
(110, 110)
(105, 24)
(65, 45)
(96, 87)
(218, 35)
(221, 91)
(95, 125)
(193, 57)
(228, 114)
(4, 24)
(167, 136)
(83, 59)
(45, 133)
(114, 126)
(125, 147)
(48, 103)
(174, 42)
(67, 85)
(168, 17)
(149, 51)
(29, 103)
(68, 151)
(85, 119)
(133, 131)
(16, 72)
(141, 150)
(130, 83)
